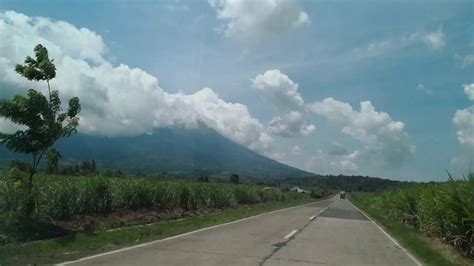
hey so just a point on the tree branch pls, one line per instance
(39, 158)
(34, 161)
(49, 91)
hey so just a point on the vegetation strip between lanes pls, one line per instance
(82, 244)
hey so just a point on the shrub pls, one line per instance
(445, 210)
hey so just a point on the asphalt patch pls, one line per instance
(343, 214)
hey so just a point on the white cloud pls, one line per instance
(250, 21)
(381, 136)
(467, 61)
(424, 89)
(296, 150)
(290, 125)
(80, 43)
(372, 49)
(116, 100)
(469, 91)
(6, 126)
(378, 46)
(232, 120)
(280, 89)
(464, 163)
(177, 6)
(324, 163)
(435, 39)
(283, 93)
(464, 120)
(337, 149)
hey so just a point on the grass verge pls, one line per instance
(429, 251)
(80, 245)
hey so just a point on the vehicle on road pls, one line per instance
(342, 195)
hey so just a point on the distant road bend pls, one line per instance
(329, 232)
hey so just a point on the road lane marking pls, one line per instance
(316, 215)
(185, 234)
(389, 236)
(291, 234)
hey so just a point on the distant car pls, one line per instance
(342, 195)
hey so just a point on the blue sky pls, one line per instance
(413, 61)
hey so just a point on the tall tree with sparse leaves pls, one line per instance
(42, 117)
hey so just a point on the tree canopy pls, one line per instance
(42, 117)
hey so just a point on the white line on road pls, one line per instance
(321, 211)
(291, 234)
(312, 217)
(389, 236)
(185, 234)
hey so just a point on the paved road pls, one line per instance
(338, 235)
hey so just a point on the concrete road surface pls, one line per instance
(330, 232)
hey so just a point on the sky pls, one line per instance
(378, 88)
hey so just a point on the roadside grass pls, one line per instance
(428, 250)
(83, 244)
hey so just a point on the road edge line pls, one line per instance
(411, 256)
(184, 234)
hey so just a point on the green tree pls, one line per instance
(204, 178)
(234, 178)
(53, 157)
(42, 117)
(88, 167)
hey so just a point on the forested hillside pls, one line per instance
(178, 151)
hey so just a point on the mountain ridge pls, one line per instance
(181, 151)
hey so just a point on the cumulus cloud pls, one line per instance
(381, 136)
(464, 120)
(336, 160)
(250, 21)
(283, 93)
(280, 89)
(436, 39)
(325, 163)
(469, 91)
(336, 149)
(290, 125)
(116, 100)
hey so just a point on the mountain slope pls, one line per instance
(176, 150)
